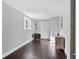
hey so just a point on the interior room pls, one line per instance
(36, 29)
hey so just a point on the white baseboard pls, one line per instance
(66, 53)
(14, 49)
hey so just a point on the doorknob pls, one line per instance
(74, 54)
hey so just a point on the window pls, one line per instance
(27, 23)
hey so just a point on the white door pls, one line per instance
(44, 29)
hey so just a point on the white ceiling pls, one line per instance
(40, 9)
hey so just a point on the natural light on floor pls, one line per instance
(52, 45)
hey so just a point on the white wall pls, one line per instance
(37, 27)
(13, 33)
(54, 26)
(66, 34)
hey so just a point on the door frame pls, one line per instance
(72, 31)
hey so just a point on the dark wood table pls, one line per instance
(36, 36)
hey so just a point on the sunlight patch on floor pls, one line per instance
(52, 46)
(52, 40)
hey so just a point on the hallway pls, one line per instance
(36, 49)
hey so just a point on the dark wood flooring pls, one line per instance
(42, 49)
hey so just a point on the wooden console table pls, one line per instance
(60, 42)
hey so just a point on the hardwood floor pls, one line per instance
(42, 49)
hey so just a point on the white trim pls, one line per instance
(14, 49)
(66, 53)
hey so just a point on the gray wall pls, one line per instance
(13, 33)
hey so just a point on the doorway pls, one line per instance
(43, 27)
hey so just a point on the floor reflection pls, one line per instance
(52, 49)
